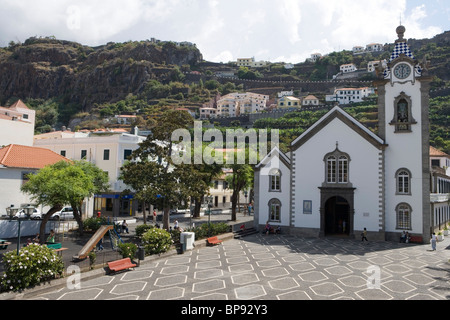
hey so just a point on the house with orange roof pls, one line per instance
(310, 100)
(16, 162)
(17, 124)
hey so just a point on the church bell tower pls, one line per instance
(403, 93)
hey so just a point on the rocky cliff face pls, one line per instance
(47, 68)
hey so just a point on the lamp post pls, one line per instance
(12, 214)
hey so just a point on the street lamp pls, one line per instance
(12, 214)
(209, 199)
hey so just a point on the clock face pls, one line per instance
(402, 71)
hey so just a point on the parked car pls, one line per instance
(37, 214)
(65, 213)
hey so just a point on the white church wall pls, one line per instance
(364, 175)
(266, 195)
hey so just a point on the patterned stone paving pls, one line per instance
(263, 267)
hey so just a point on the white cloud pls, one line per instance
(265, 29)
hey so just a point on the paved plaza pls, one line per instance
(279, 267)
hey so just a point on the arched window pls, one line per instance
(403, 178)
(331, 169)
(403, 211)
(337, 168)
(403, 119)
(275, 181)
(343, 169)
(275, 210)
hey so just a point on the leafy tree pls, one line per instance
(60, 184)
(152, 173)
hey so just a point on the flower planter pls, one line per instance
(440, 237)
(445, 232)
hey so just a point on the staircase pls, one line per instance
(245, 232)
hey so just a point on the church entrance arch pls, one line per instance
(337, 216)
(337, 211)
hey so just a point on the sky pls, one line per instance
(225, 30)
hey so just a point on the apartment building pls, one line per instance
(347, 68)
(350, 95)
(236, 104)
(108, 150)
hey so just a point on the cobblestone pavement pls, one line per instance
(261, 267)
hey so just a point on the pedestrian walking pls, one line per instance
(364, 235)
(154, 216)
(433, 241)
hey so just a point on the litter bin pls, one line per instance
(187, 240)
(141, 253)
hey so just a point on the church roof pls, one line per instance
(354, 124)
(283, 158)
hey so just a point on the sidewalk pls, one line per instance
(74, 243)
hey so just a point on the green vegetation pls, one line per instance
(34, 264)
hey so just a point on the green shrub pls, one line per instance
(127, 250)
(210, 230)
(35, 263)
(94, 223)
(156, 241)
(143, 228)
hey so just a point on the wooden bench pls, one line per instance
(60, 251)
(416, 239)
(120, 265)
(214, 241)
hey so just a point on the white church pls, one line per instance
(339, 177)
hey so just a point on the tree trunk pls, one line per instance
(198, 207)
(77, 215)
(233, 206)
(44, 221)
(166, 218)
(143, 212)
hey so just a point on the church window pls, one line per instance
(331, 169)
(403, 178)
(275, 210)
(403, 119)
(275, 180)
(403, 216)
(337, 168)
(402, 116)
(343, 169)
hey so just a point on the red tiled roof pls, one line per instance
(18, 156)
(18, 104)
(437, 153)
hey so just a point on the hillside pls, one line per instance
(73, 85)
(83, 76)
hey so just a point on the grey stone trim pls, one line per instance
(426, 179)
(257, 195)
(382, 192)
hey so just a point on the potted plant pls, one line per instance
(440, 236)
(446, 231)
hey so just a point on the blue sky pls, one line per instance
(224, 30)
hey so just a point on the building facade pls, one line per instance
(108, 151)
(17, 124)
(341, 178)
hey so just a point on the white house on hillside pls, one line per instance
(17, 124)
